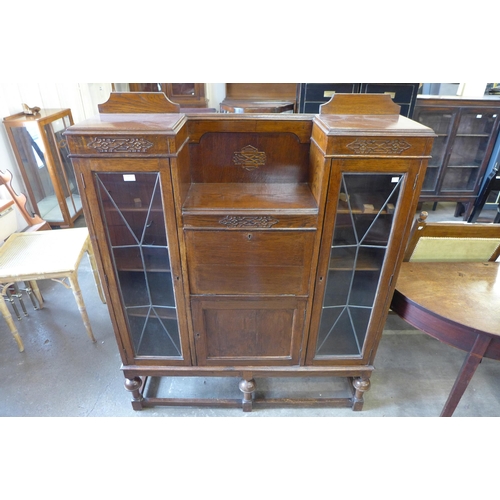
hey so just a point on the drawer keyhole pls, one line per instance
(249, 236)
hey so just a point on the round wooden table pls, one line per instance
(457, 303)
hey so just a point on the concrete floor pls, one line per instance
(62, 373)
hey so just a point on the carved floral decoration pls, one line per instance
(248, 221)
(379, 146)
(120, 145)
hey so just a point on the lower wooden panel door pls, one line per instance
(248, 330)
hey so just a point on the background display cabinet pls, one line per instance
(310, 96)
(466, 133)
(42, 156)
(255, 247)
(188, 95)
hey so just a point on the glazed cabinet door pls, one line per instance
(131, 207)
(461, 150)
(442, 121)
(466, 161)
(367, 214)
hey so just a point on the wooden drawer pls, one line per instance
(248, 330)
(265, 262)
(261, 221)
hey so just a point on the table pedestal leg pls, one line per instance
(468, 369)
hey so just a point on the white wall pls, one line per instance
(216, 92)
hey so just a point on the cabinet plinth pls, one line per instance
(253, 247)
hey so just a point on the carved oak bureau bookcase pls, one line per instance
(257, 247)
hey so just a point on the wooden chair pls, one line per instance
(35, 223)
(41, 253)
(452, 242)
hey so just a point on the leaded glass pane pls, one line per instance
(133, 214)
(363, 223)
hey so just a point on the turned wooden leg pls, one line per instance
(134, 386)
(468, 369)
(8, 318)
(361, 385)
(247, 387)
(75, 287)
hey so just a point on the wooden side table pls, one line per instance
(456, 303)
(46, 255)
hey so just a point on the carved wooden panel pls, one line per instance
(258, 221)
(379, 146)
(236, 330)
(120, 145)
(249, 158)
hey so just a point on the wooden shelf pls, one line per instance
(464, 166)
(364, 263)
(133, 263)
(131, 208)
(251, 198)
(472, 135)
(363, 205)
(163, 312)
